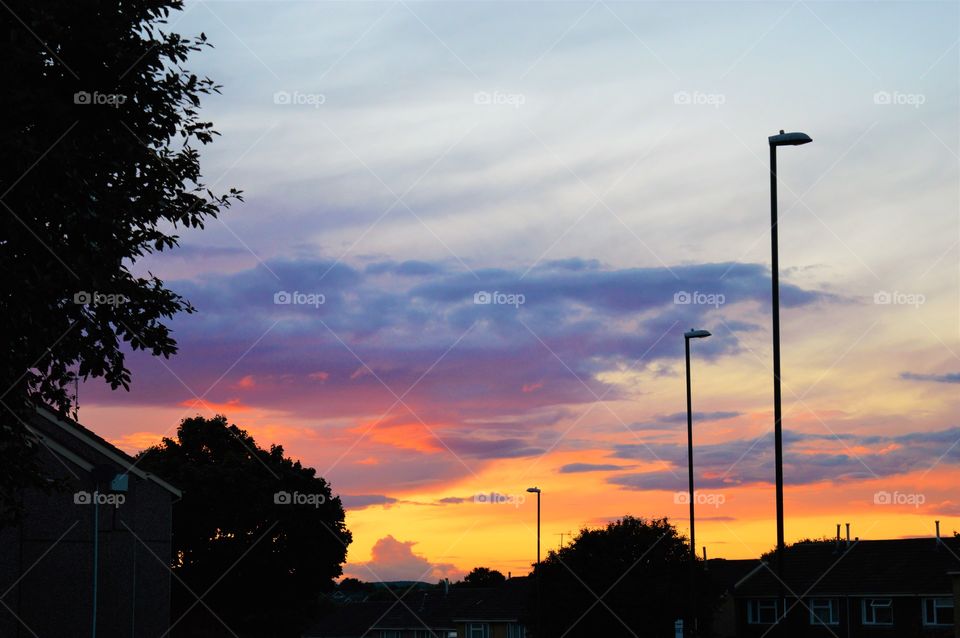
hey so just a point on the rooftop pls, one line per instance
(897, 566)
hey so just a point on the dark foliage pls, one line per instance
(637, 568)
(261, 532)
(482, 577)
(100, 161)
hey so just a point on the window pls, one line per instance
(824, 611)
(516, 630)
(877, 611)
(389, 633)
(762, 612)
(478, 630)
(423, 633)
(937, 611)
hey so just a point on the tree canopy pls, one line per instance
(638, 569)
(482, 577)
(100, 167)
(243, 501)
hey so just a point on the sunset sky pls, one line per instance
(598, 162)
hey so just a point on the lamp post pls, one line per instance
(783, 139)
(536, 490)
(692, 620)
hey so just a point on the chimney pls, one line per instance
(704, 555)
(938, 533)
(509, 575)
(848, 534)
(446, 586)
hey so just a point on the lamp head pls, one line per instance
(533, 490)
(696, 334)
(789, 139)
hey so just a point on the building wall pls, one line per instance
(497, 630)
(956, 605)
(48, 558)
(725, 618)
(907, 617)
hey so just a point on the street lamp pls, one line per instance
(536, 490)
(687, 336)
(783, 139)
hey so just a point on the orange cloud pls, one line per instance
(409, 436)
(135, 442)
(228, 407)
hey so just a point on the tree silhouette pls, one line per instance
(482, 577)
(264, 531)
(352, 584)
(100, 134)
(637, 568)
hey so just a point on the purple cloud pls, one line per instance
(745, 461)
(949, 377)
(574, 468)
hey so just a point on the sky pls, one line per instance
(475, 232)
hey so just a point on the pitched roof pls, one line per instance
(431, 609)
(893, 567)
(504, 603)
(350, 621)
(47, 417)
(726, 573)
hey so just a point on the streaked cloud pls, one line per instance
(575, 468)
(808, 459)
(949, 377)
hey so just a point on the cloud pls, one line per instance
(808, 458)
(134, 442)
(413, 329)
(491, 449)
(361, 501)
(485, 381)
(949, 377)
(681, 417)
(573, 468)
(409, 268)
(394, 560)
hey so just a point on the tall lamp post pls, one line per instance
(692, 620)
(536, 490)
(783, 139)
